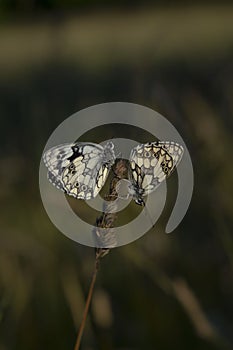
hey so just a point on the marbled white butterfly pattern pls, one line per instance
(150, 164)
(79, 169)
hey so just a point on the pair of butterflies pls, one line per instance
(80, 169)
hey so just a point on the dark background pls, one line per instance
(162, 291)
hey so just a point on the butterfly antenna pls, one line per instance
(148, 214)
(119, 155)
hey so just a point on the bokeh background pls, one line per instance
(163, 291)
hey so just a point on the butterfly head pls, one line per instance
(139, 201)
(109, 154)
(109, 145)
(136, 193)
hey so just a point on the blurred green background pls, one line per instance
(162, 291)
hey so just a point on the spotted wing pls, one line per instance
(56, 160)
(152, 163)
(79, 169)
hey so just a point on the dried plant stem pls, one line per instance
(88, 301)
(104, 232)
(106, 220)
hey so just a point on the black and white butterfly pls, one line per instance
(79, 169)
(150, 164)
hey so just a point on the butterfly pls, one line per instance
(150, 164)
(79, 169)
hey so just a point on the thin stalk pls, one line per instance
(105, 221)
(87, 305)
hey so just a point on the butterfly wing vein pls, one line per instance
(79, 169)
(150, 164)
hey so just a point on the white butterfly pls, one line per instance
(150, 164)
(79, 169)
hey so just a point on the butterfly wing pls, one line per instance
(56, 160)
(79, 169)
(87, 172)
(152, 163)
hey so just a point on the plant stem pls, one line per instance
(89, 297)
(105, 221)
